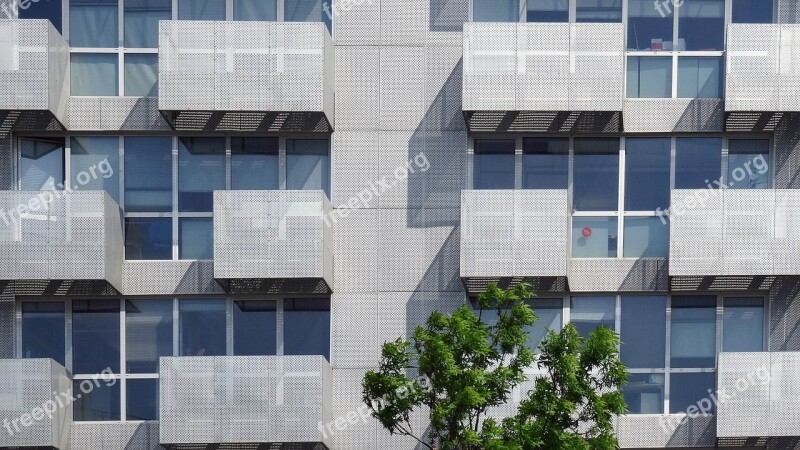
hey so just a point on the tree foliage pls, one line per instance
(466, 366)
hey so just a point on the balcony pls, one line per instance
(762, 73)
(244, 400)
(515, 235)
(543, 77)
(734, 232)
(274, 241)
(246, 76)
(68, 236)
(28, 386)
(764, 396)
(34, 77)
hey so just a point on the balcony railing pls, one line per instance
(763, 395)
(736, 232)
(282, 236)
(513, 233)
(34, 74)
(46, 235)
(246, 75)
(28, 386)
(538, 71)
(244, 400)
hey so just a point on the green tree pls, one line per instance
(466, 366)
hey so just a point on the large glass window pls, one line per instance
(148, 238)
(264, 10)
(700, 77)
(94, 163)
(550, 318)
(647, 173)
(748, 164)
(307, 327)
(693, 333)
(308, 164)
(43, 333)
(701, 25)
(743, 324)
(545, 163)
(588, 313)
(643, 327)
(645, 237)
(599, 10)
(96, 400)
(93, 23)
(201, 9)
(141, 75)
(202, 327)
(649, 77)
(196, 238)
(148, 334)
(148, 174)
(753, 11)
(495, 10)
(594, 237)
(647, 28)
(493, 164)
(41, 164)
(308, 11)
(255, 327)
(141, 21)
(94, 74)
(596, 174)
(687, 389)
(201, 171)
(644, 393)
(50, 10)
(254, 163)
(95, 336)
(548, 11)
(142, 399)
(698, 162)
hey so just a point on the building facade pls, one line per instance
(214, 212)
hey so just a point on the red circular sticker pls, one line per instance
(586, 232)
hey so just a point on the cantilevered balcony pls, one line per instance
(543, 76)
(34, 74)
(244, 400)
(762, 74)
(514, 235)
(250, 76)
(279, 241)
(734, 232)
(30, 394)
(60, 236)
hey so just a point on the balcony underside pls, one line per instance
(544, 121)
(753, 121)
(245, 446)
(29, 120)
(261, 121)
(276, 286)
(475, 285)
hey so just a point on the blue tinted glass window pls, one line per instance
(201, 171)
(748, 164)
(548, 11)
(644, 393)
(701, 25)
(698, 162)
(308, 11)
(596, 174)
(148, 238)
(647, 179)
(648, 29)
(93, 23)
(545, 163)
(94, 163)
(98, 400)
(493, 164)
(254, 327)
(141, 75)
(94, 74)
(743, 324)
(201, 9)
(643, 330)
(148, 334)
(495, 10)
(594, 237)
(649, 77)
(753, 11)
(687, 389)
(95, 336)
(42, 9)
(254, 163)
(265, 10)
(43, 330)
(307, 327)
(699, 77)
(645, 237)
(142, 399)
(308, 165)
(141, 21)
(41, 164)
(599, 11)
(202, 327)
(550, 317)
(196, 238)
(694, 331)
(148, 174)
(588, 313)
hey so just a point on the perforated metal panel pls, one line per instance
(105, 436)
(654, 431)
(614, 275)
(673, 115)
(273, 235)
(61, 236)
(115, 114)
(169, 277)
(34, 75)
(244, 399)
(27, 384)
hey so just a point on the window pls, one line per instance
(148, 174)
(647, 173)
(596, 174)
(307, 11)
(694, 330)
(148, 334)
(196, 238)
(649, 77)
(307, 327)
(254, 163)
(548, 11)
(148, 238)
(141, 21)
(94, 163)
(93, 23)
(594, 237)
(748, 164)
(201, 9)
(255, 327)
(701, 25)
(493, 164)
(743, 324)
(43, 10)
(96, 400)
(142, 399)
(308, 165)
(647, 28)
(202, 327)
(141, 75)
(95, 336)
(643, 327)
(599, 11)
(41, 164)
(588, 313)
(266, 10)
(549, 313)
(201, 170)
(644, 393)
(645, 237)
(753, 11)
(43, 332)
(698, 162)
(686, 389)
(700, 77)
(545, 163)
(94, 74)
(495, 10)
